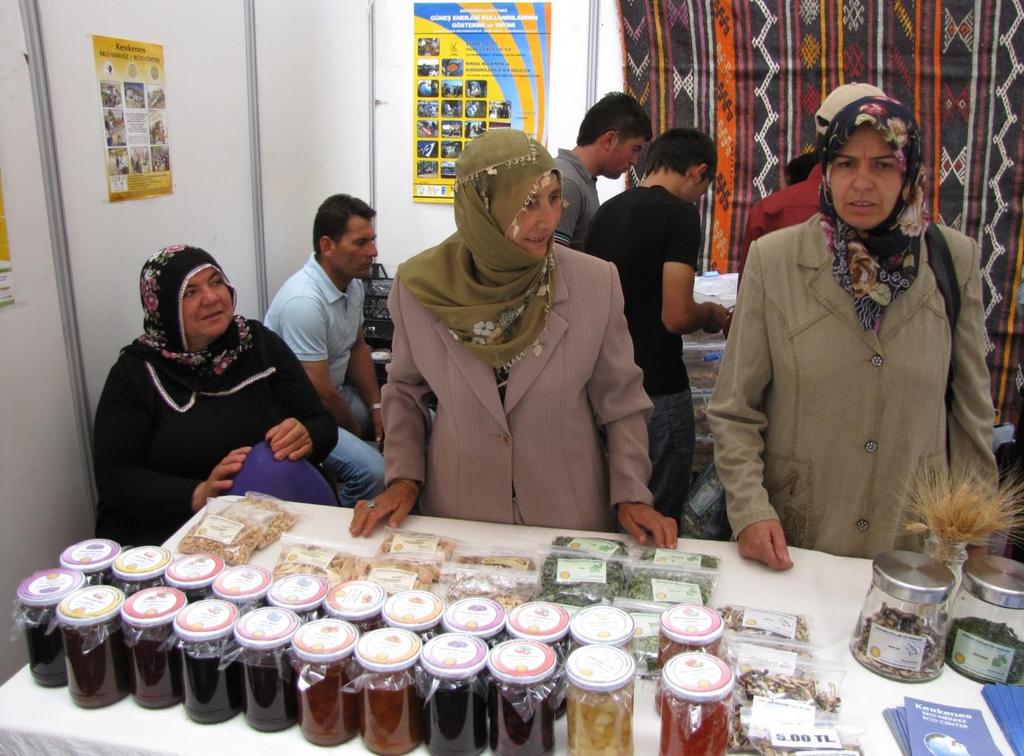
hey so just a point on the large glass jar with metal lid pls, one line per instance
(97, 662)
(695, 708)
(322, 653)
(140, 568)
(93, 558)
(522, 699)
(600, 701)
(986, 634)
(303, 594)
(265, 637)
(390, 706)
(245, 586)
(454, 695)
(901, 633)
(193, 575)
(35, 614)
(211, 672)
(417, 611)
(482, 618)
(359, 602)
(604, 625)
(148, 618)
(689, 627)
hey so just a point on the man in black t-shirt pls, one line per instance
(652, 235)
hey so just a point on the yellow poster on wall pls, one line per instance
(134, 104)
(6, 274)
(478, 66)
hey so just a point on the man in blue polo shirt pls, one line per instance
(319, 314)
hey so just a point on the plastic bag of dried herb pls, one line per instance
(668, 584)
(646, 615)
(766, 623)
(568, 578)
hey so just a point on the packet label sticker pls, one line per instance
(421, 543)
(315, 556)
(580, 571)
(220, 529)
(767, 713)
(775, 660)
(675, 592)
(594, 546)
(646, 625)
(899, 650)
(776, 623)
(392, 580)
(676, 558)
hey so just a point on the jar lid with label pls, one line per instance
(607, 625)
(246, 582)
(89, 556)
(355, 600)
(691, 624)
(413, 610)
(325, 640)
(206, 620)
(300, 593)
(193, 571)
(522, 662)
(995, 580)
(266, 628)
(141, 563)
(153, 606)
(482, 617)
(389, 649)
(600, 668)
(454, 656)
(48, 587)
(697, 677)
(914, 577)
(90, 606)
(538, 620)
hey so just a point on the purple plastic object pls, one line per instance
(290, 480)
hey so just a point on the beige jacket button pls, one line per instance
(877, 360)
(862, 525)
(870, 447)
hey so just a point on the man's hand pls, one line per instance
(290, 439)
(392, 505)
(220, 479)
(717, 317)
(641, 519)
(764, 541)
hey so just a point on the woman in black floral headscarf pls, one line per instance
(185, 401)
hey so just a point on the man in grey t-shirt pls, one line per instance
(611, 137)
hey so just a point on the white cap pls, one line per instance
(839, 98)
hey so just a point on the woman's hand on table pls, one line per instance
(392, 505)
(643, 522)
(764, 542)
(220, 479)
(289, 438)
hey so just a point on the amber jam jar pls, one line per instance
(303, 594)
(322, 654)
(35, 612)
(390, 706)
(140, 568)
(212, 684)
(359, 602)
(482, 618)
(93, 558)
(265, 636)
(689, 627)
(193, 575)
(695, 708)
(600, 701)
(454, 695)
(548, 623)
(603, 625)
(522, 699)
(97, 661)
(245, 586)
(417, 611)
(148, 619)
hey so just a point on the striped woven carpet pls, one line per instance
(751, 73)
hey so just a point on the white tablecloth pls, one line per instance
(36, 720)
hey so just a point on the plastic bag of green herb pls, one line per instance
(580, 580)
(646, 615)
(667, 584)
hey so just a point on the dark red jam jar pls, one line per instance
(193, 575)
(35, 612)
(523, 698)
(97, 661)
(265, 637)
(245, 586)
(93, 558)
(454, 695)
(359, 602)
(303, 594)
(148, 618)
(211, 676)
(140, 568)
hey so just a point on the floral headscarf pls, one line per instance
(878, 265)
(493, 296)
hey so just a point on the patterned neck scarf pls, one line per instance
(492, 295)
(878, 265)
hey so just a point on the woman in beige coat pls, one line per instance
(831, 396)
(541, 414)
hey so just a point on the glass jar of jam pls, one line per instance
(600, 701)
(211, 676)
(303, 594)
(390, 706)
(521, 701)
(93, 558)
(604, 625)
(35, 613)
(265, 637)
(689, 627)
(245, 586)
(359, 602)
(193, 575)
(322, 654)
(695, 708)
(140, 568)
(148, 618)
(454, 695)
(482, 618)
(417, 611)
(97, 662)
(548, 623)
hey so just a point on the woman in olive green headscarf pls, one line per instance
(541, 415)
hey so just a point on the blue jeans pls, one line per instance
(670, 445)
(357, 465)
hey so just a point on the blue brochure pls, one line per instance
(941, 730)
